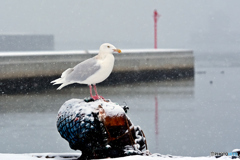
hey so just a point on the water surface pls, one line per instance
(194, 117)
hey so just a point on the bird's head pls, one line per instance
(108, 48)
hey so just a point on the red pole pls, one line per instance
(156, 16)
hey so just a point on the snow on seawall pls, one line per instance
(69, 156)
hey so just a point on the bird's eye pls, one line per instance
(108, 46)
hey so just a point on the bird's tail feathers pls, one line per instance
(55, 81)
(62, 79)
(63, 85)
(66, 72)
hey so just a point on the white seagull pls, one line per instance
(91, 71)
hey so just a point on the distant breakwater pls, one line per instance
(33, 71)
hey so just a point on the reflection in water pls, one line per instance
(156, 121)
(28, 121)
(51, 100)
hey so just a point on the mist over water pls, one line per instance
(209, 26)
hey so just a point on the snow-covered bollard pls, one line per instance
(99, 129)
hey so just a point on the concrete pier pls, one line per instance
(40, 64)
(130, 65)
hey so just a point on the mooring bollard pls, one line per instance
(100, 129)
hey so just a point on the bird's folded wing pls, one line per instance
(67, 72)
(84, 70)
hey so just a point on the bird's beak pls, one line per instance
(117, 50)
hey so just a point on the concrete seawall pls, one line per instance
(133, 64)
(40, 64)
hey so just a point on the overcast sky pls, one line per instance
(85, 24)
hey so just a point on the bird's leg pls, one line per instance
(96, 97)
(95, 89)
(90, 88)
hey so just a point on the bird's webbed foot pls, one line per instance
(97, 97)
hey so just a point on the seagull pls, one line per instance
(91, 71)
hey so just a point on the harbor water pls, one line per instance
(185, 117)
